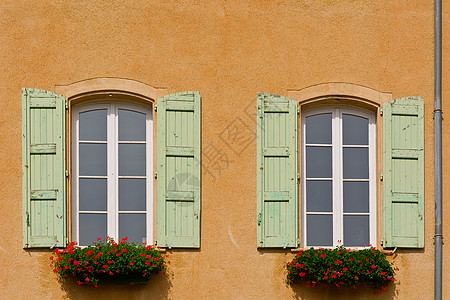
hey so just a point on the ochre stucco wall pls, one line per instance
(228, 51)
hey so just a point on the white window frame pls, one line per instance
(112, 106)
(337, 172)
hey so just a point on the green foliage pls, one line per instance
(109, 258)
(341, 267)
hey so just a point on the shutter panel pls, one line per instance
(403, 168)
(277, 224)
(43, 156)
(178, 164)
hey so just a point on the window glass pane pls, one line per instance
(93, 125)
(318, 162)
(92, 226)
(132, 159)
(132, 226)
(92, 159)
(131, 125)
(356, 163)
(318, 129)
(355, 130)
(356, 231)
(93, 194)
(319, 230)
(132, 194)
(356, 197)
(319, 196)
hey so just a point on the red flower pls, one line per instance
(124, 250)
(141, 254)
(99, 238)
(86, 279)
(344, 269)
(117, 254)
(147, 263)
(76, 262)
(373, 267)
(325, 277)
(383, 273)
(111, 273)
(110, 261)
(323, 255)
(105, 266)
(301, 274)
(66, 267)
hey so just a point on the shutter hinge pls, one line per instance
(156, 175)
(298, 110)
(28, 219)
(298, 176)
(67, 105)
(67, 240)
(381, 177)
(67, 173)
(381, 111)
(156, 108)
(382, 242)
(259, 219)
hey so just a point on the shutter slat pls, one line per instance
(43, 143)
(403, 173)
(178, 163)
(276, 171)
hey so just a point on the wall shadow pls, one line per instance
(157, 288)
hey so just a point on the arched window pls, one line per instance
(338, 177)
(112, 184)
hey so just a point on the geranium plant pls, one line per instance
(104, 259)
(341, 267)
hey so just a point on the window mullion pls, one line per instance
(337, 178)
(111, 171)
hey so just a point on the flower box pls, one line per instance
(341, 267)
(109, 262)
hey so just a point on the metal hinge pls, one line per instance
(298, 176)
(382, 242)
(67, 105)
(381, 177)
(156, 175)
(155, 108)
(298, 110)
(67, 173)
(381, 111)
(67, 240)
(28, 219)
(259, 219)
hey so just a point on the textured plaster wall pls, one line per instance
(229, 51)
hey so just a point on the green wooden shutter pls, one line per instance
(43, 175)
(277, 224)
(403, 173)
(178, 170)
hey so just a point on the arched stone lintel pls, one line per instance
(108, 84)
(337, 91)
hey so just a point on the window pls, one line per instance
(112, 183)
(111, 176)
(338, 177)
(333, 196)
